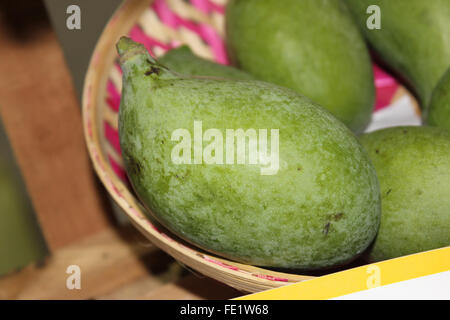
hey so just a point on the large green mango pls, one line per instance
(413, 166)
(413, 39)
(308, 198)
(313, 47)
(184, 61)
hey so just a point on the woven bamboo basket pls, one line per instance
(161, 25)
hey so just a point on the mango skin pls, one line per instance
(438, 113)
(321, 209)
(414, 39)
(413, 167)
(184, 61)
(313, 47)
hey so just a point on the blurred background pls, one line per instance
(53, 211)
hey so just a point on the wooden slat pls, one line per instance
(42, 117)
(114, 264)
(193, 288)
(108, 260)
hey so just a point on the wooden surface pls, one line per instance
(42, 118)
(114, 264)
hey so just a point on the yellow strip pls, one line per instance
(362, 278)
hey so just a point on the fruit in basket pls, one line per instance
(438, 113)
(414, 39)
(413, 167)
(246, 169)
(313, 47)
(183, 61)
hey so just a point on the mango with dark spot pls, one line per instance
(414, 175)
(232, 209)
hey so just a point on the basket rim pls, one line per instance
(240, 276)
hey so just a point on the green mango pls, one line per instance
(183, 61)
(413, 167)
(438, 113)
(313, 47)
(414, 39)
(308, 199)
